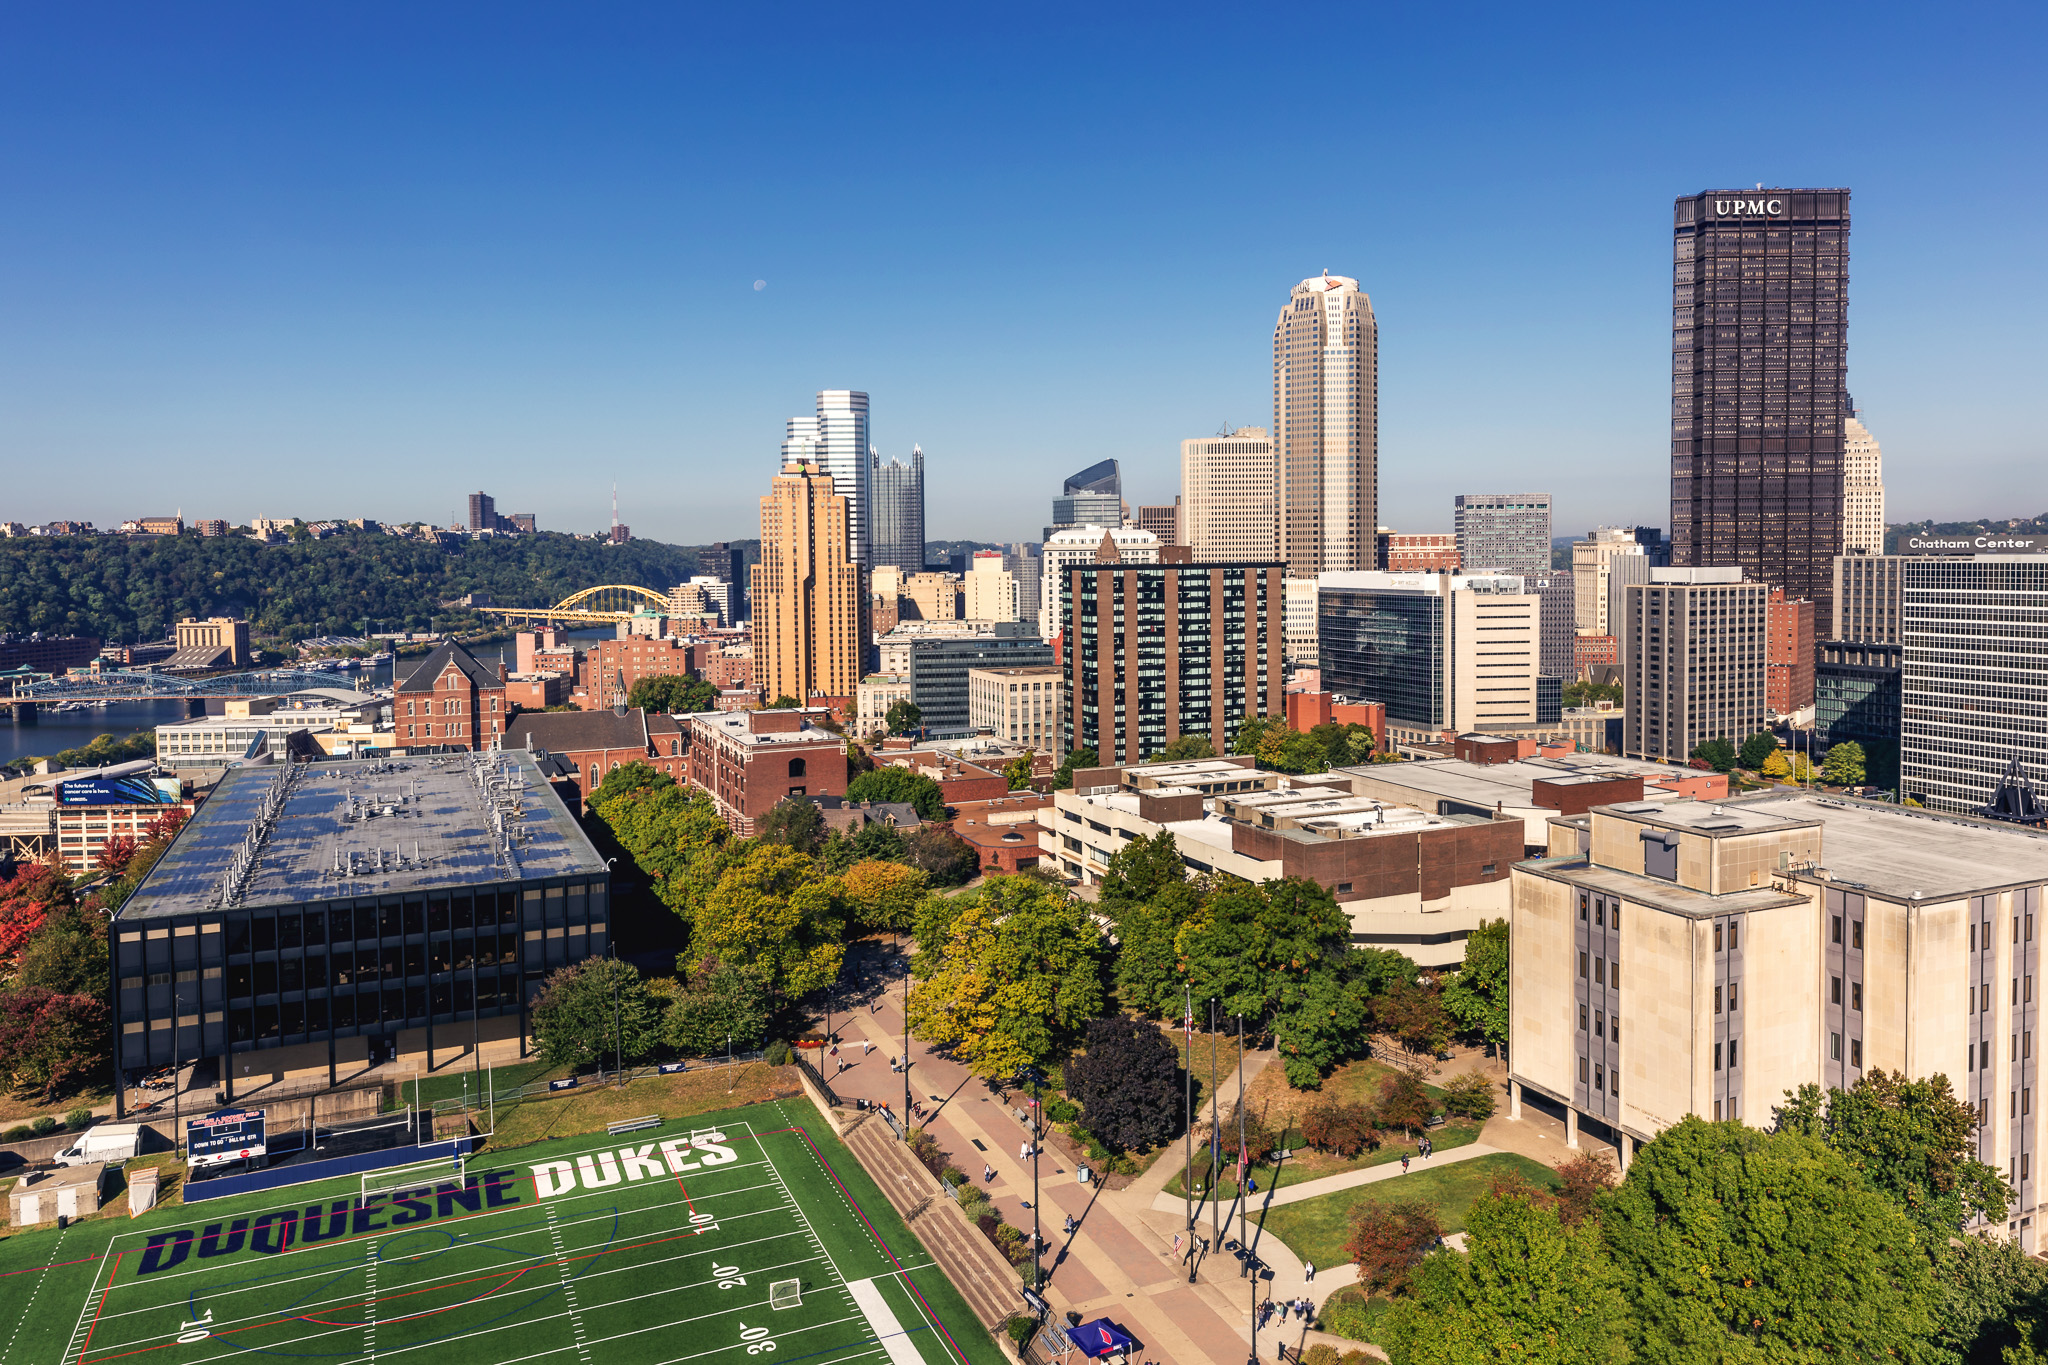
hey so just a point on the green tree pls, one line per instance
(1477, 993)
(903, 717)
(794, 823)
(1911, 1140)
(1280, 953)
(585, 1013)
(1989, 1298)
(1756, 749)
(1148, 969)
(1528, 1289)
(1143, 868)
(1019, 973)
(718, 1007)
(774, 916)
(1717, 754)
(674, 836)
(630, 777)
(1184, 749)
(944, 856)
(672, 694)
(1844, 765)
(1018, 771)
(1587, 693)
(1774, 765)
(896, 784)
(1739, 1245)
(67, 954)
(881, 895)
(1063, 780)
(785, 702)
(1279, 748)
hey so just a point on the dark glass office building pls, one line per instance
(939, 667)
(1759, 369)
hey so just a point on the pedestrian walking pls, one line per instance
(988, 1175)
(1404, 1163)
(867, 1045)
(1309, 1269)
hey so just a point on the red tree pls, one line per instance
(26, 900)
(49, 1042)
(1388, 1240)
(115, 854)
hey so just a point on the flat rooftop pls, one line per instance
(1713, 818)
(367, 828)
(1896, 851)
(1485, 784)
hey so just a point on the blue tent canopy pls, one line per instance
(1101, 1337)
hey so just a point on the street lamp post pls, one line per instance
(1187, 1170)
(906, 1052)
(1244, 1171)
(1215, 1138)
(1037, 1242)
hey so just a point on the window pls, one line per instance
(796, 767)
(1582, 1071)
(1582, 975)
(1834, 1047)
(1614, 1028)
(1614, 974)
(1717, 1056)
(1614, 1081)
(1582, 1017)
(1717, 1111)
(1717, 999)
(1837, 937)
(1856, 933)
(1733, 930)
(1856, 995)
(1599, 1021)
(1973, 1001)
(1855, 1052)
(1732, 1044)
(1582, 905)
(1600, 914)
(1599, 971)
(1717, 938)
(1599, 1079)
(1731, 997)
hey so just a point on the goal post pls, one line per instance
(413, 1175)
(785, 1294)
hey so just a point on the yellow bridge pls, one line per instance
(607, 605)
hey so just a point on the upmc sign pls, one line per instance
(1749, 208)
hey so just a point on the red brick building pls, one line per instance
(958, 779)
(450, 700)
(1591, 651)
(1009, 847)
(1788, 654)
(615, 665)
(595, 742)
(727, 671)
(1307, 710)
(1416, 553)
(749, 760)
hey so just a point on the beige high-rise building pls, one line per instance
(1326, 427)
(1862, 491)
(1593, 570)
(1229, 498)
(935, 595)
(808, 599)
(1694, 652)
(988, 589)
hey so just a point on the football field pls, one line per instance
(747, 1235)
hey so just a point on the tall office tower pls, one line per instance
(1326, 412)
(988, 591)
(1693, 652)
(835, 439)
(1443, 651)
(1093, 497)
(1788, 654)
(1162, 520)
(1974, 674)
(1229, 508)
(809, 633)
(1299, 599)
(483, 512)
(1862, 489)
(1021, 559)
(1592, 569)
(896, 534)
(1502, 532)
(1559, 614)
(1759, 365)
(1867, 597)
(1209, 657)
(1080, 545)
(1856, 680)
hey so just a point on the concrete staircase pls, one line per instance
(984, 1278)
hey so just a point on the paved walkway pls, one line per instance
(1330, 1184)
(1121, 1262)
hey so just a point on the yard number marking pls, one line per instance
(198, 1329)
(728, 1276)
(753, 1337)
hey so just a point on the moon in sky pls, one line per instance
(759, 285)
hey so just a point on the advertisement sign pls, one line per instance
(118, 791)
(1990, 543)
(224, 1135)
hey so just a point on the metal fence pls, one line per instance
(490, 1095)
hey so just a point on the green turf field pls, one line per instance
(654, 1248)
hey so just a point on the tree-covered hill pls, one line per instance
(129, 589)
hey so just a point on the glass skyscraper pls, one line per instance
(1974, 684)
(896, 528)
(836, 440)
(1759, 372)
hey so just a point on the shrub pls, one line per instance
(1388, 1240)
(20, 1132)
(43, 1125)
(1322, 1353)
(925, 1148)
(778, 1053)
(1354, 1356)
(953, 1176)
(1019, 1329)
(1469, 1096)
(973, 1203)
(1403, 1103)
(1343, 1129)
(78, 1118)
(1060, 1109)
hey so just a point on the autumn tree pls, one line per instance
(794, 823)
(1412, 1013)
(1017, 975)
(1402, 1103)
(942, 855)
(880, 895)
(1341, 1127)
(1388, 1240)
(51, 1043)
(773, 915)
(1582, 1182)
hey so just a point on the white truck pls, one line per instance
(103, 1142)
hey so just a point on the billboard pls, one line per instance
(224, 1135)
(1927, 543)
(118, 791)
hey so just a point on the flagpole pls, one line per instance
(1215, 1137)
(1187, 1170)
(1244, 1171)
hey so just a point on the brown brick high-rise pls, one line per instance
(809, 601)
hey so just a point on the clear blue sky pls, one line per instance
(321, 259)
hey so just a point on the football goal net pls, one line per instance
(413, 1175)
(785, 1294)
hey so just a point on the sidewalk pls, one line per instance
(1330, 1184)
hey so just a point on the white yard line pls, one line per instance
(882, 1322)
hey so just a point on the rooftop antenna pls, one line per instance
(615, 506)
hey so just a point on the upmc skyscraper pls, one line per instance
(1759, 372)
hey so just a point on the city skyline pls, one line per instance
(227, 271)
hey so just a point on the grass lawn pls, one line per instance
(1271, 1097)
(656, 1248)
(1315, 1229)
